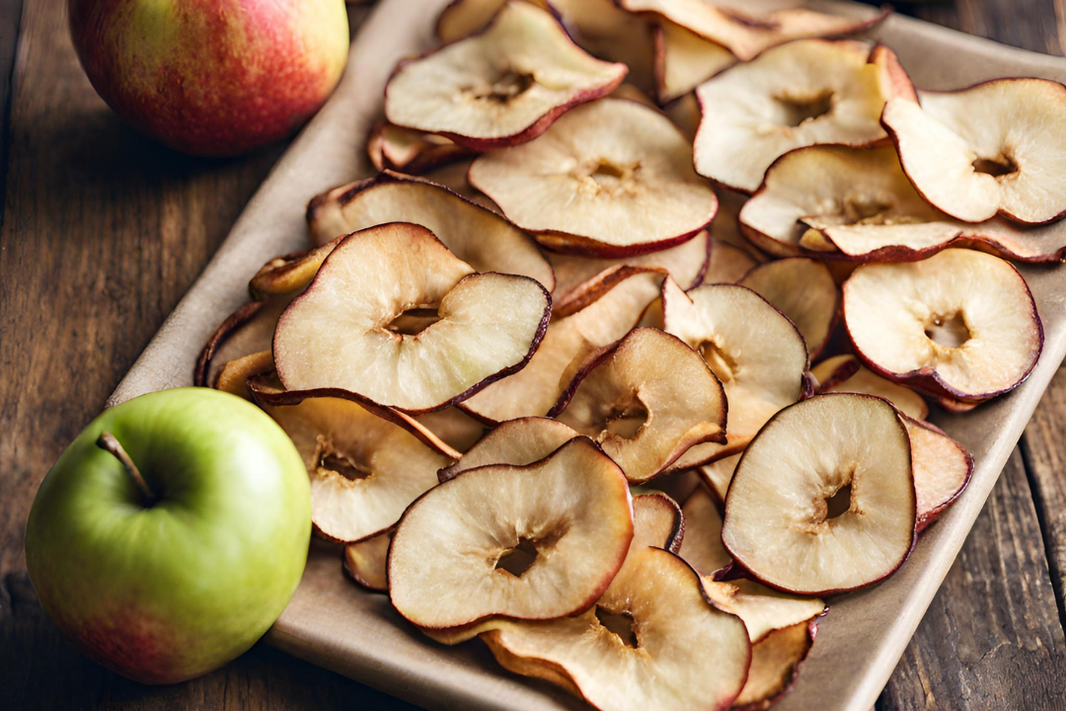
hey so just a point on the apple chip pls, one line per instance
(462, 330)
(848, 203)
(570, 342)
(479, 237)
(702, 546)
(365, 561)
(802, 93)
(503, 86)
(603, 29)
(728, 264)
(996, 147)
(684, 60)
(718, 474)
(775, 662)
(961, 323)
(845, 373)
(804, 290)
(823, 499)
(645, 401)
(521, 441)
(246, 331)
(409, 151)
(612, 178)
(452, 426)
(513, 540)
(942, 469)
(234, 375)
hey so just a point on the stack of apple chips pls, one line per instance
(497, 371)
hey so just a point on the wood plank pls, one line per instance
(992, 636)
(10, 17)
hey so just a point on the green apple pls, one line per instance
(171, 534)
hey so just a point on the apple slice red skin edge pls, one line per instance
(928, 381)
(659, 66)
(229, 326)
(581, 246)
(893, 136)
(677, 534)
(424, 161)
(598, 286)
(793, 677)
(357, 579)
(537, 127)
(737, 569)
(585, 605)
(548, 6)
(923, 522)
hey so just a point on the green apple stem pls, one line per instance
(108, 442)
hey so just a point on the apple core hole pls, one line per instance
(626, 421)
(414, 321)
(948, 331)
(839, 503)
(718, 360)
(519, 559)
(996, 167)
(505, 87)
(344, 466)
(798, 109)
(620, 624)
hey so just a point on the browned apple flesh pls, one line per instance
(775, 662)
(804, 290)
(960, 323)
(479, 237)
(702, 546)
(684, 60)
(247, 330)
(612, 178)
(856, 203)
(645, 401)
(409, 151)
(365, 562)
(234, 375)
(502, 86)
(452, 426)
(718, 474)
(997, 147)
(942, 469)
(606, 31)
(728, 264)
(576, 275)
(802, 93)
(823, 499)
(340, 332)
(533, 542)
(462, 18)
(846, 373)
(521, 441)
(569, 343)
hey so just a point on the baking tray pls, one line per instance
(335, 624)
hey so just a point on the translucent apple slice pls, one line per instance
(479, 237)
(823, 499)
(569, 343)
(845, 373)
(718, 474)
(513, 541)
(747, 35)
(728, 264)
(502, 86)
(848, 203)
(702, 546)
(804, 290)
(645, 401)
(234, 375)
(961, 323)
(775, 662)
(942, 469)
(612, 178)
(365, 562)
(653, 641)
(1012, 161)
(521, 441)
(802, 93)
(755, 351)
(684, 60)
(341, 332)
(575, 275)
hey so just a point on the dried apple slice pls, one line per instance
(802, 93)
(234, 375)
(455, 555)
(520, 442)
(339, 332)
(503, 86)
(684, 60)
(409, 151)
(728, 264)
(804, 290)
(612, 178)
(684, 111)
(476, 235)
(823, 499)
(847, 203)
(775, 662)
(610, 314)
(247, 330)
(845, 373)
(605, 30)
(462, 18)
(1012, 161)
(961, 323)
(702, 546)
(365, 470)
(365, 561)
(646, 401)
(942, 469)
(575, 276)
(718, 474)
(452, 426)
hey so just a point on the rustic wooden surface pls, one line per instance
(101, 233)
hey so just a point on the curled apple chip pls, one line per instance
(612, 178)
(960, 323)
(576, 276)
(1012, 161)
(853, 203)
(234, 375)
(942, 469)
(702, 546)
(718, 474)
(521, 441)
(365, 561)
(409, 151)
(610, 313)
(365, 469)
(462, 18)
(502, 86)
(452, 426)
(603, 29)
(846, 373)
(823, 499)
(645, 401)
(775, 662)
(461, 329)
(802, 93)
(247, 330)
(804, 290)
(728, 263)
(684, 60)
(513, 541)
(479, 237)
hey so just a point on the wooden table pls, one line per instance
(102, 232)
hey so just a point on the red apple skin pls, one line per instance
(212, 77)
